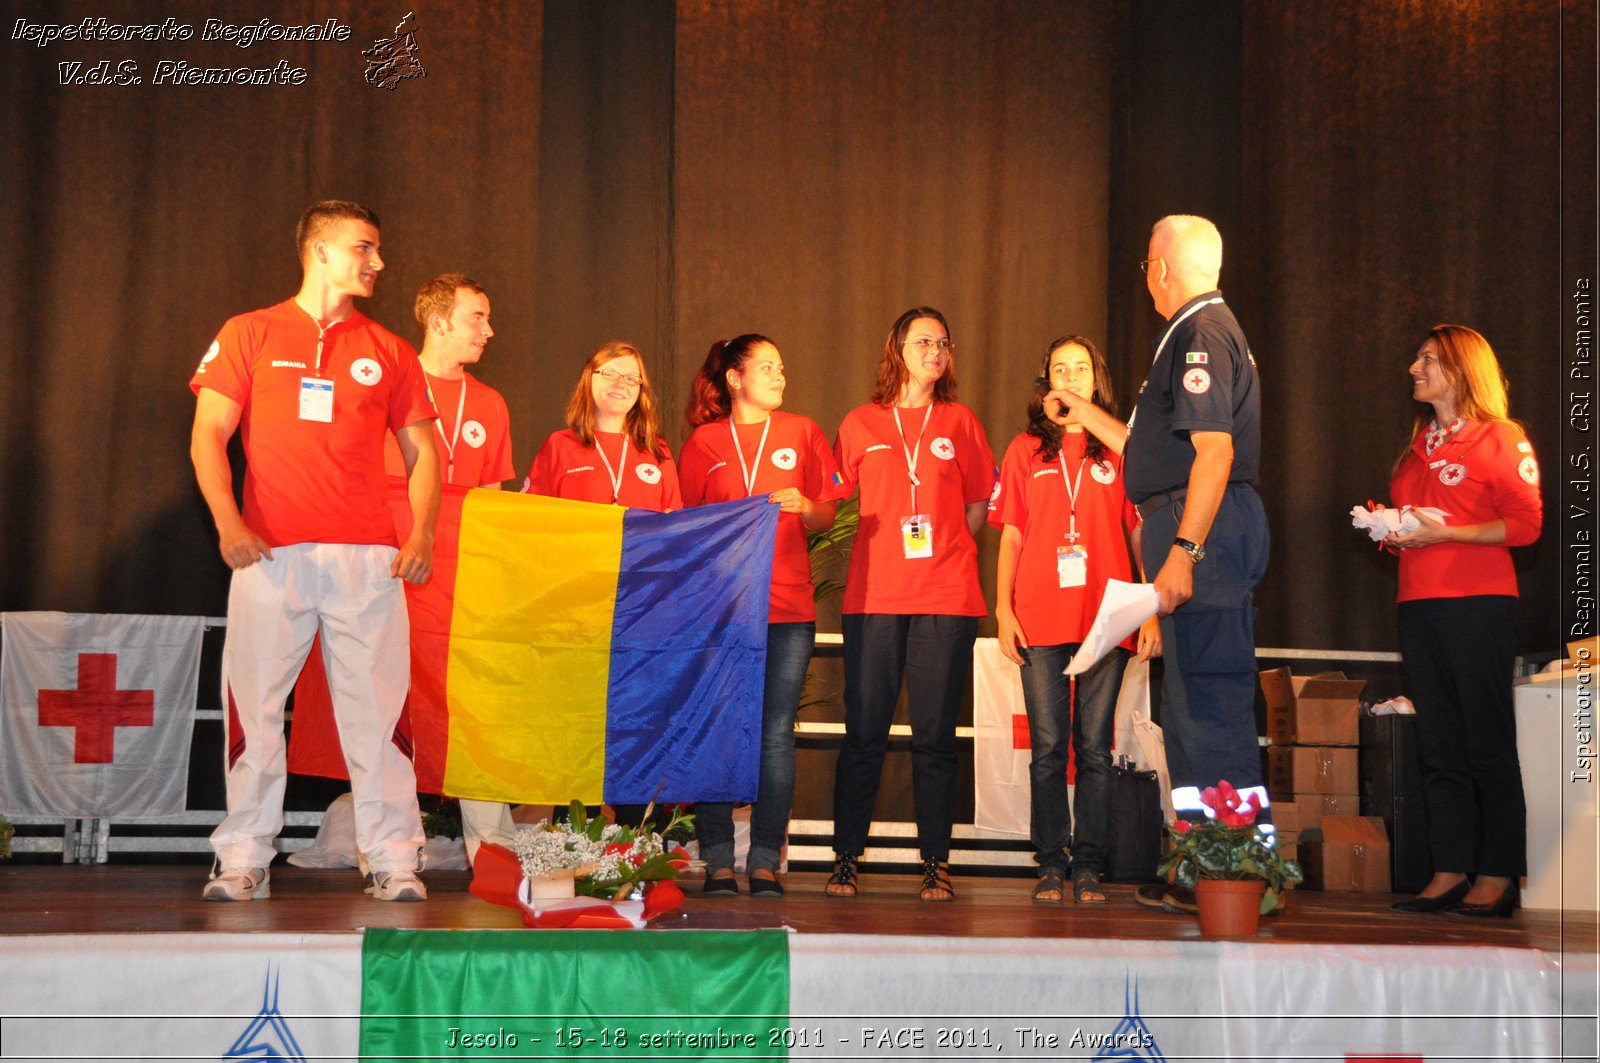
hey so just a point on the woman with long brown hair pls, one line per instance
(612, 450)
(911, 598)
(742, 446)
(1066, 529)
(1457, 617)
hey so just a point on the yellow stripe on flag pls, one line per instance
(530, 648)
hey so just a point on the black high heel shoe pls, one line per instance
(1500, 908)
(1445, 902)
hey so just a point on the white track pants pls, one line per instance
(485, 821)
(274, 609)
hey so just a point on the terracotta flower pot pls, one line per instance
(1229, 909)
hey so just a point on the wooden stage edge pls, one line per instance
(134, 899)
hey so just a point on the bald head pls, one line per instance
(1186, 253)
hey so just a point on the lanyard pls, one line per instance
(322, 331)
(913, 453)
(1179, 320)
(614, 472)
(1072, 494)
(747, 471)
(455, 436)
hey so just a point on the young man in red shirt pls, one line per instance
(313, 386)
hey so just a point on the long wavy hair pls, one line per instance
(1469, 364)
(643, 423)
(709, 397)
(1046, 431)
(892, 372)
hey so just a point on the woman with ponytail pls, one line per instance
(612, 450)
(743, 445)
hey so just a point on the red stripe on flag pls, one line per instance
(235, 731)
(423, 733)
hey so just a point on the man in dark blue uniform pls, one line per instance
(1191, 462)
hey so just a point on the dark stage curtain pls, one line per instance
(672, 173)
(1400, 169)
(138, 218)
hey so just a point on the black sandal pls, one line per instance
(844, 876)
(716, 883)
(936, 880)
(1085, 883)
(1051, 880)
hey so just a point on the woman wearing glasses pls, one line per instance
(743, 445)
(1065, 527)
(911, 599)
(612, 450)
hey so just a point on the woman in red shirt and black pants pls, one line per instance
(911, 595)
(1457, 616)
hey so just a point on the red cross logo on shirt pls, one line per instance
(96, 708)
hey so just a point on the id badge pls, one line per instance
(916, 533)
(1072, 566)
(316, 399)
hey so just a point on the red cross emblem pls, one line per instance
(96, 708)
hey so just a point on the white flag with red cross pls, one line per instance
(96, 713)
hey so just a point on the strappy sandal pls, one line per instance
(1086, 888)
(843, 877)
(936, 881)
(1052, 880)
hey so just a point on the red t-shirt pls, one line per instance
(565, 468)
(1486, 472)
(956, 469)
(795, 454)
(1033, 498)
(311, 481)
(482, 453)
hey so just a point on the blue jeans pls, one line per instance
(1052, 725)
(788, 655)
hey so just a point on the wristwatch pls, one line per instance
(1196, 552)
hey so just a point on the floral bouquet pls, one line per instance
(606, 860)
(1228, 848)
(583, 872)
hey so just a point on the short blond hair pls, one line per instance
(438, 296)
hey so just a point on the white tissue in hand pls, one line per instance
(1382, 523)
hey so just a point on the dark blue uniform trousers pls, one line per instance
(1208, 693)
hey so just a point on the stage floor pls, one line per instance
(72, 899)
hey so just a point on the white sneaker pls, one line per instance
(396, 886)
(238, 884)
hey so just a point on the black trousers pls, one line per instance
(934, 654)
(1458, 655)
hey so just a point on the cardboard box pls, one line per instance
(1289, 851)
(1296, 770)
(1310, 808)
(1314, 710)
(1286, 817)
(1346, 854)
(1584, 653)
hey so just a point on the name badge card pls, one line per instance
(916, 533)
(1072, 566)
(316, 399)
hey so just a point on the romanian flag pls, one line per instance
(568, 650)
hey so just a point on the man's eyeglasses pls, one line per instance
(633, 380)
(1144, 264)
(925, 345)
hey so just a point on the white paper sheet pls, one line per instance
(1123, 607)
